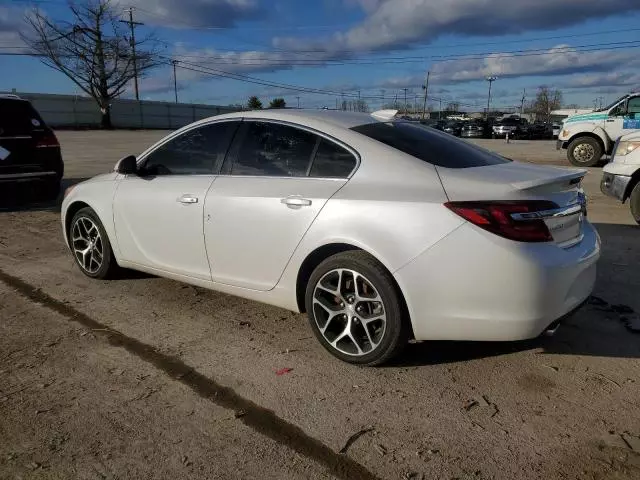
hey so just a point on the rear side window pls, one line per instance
(18, 117)
(196, 152)
(273, 150)
(332, 161)
(429, 145)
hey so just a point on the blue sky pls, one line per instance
(586, 48)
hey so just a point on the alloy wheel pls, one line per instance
(349, 312)
(87, 245)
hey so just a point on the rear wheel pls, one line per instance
(90, 245)
(584, 152)
(634, 202)
(355, 309)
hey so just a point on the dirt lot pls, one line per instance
(147, 378)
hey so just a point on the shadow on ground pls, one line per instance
(28, 197)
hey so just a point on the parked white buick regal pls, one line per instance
(381, 230)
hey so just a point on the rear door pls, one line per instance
(278, 179)
(20, 130)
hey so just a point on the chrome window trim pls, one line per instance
(312, 130)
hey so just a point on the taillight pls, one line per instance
(495, 217)
(48, 139)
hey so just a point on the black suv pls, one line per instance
(30, 156)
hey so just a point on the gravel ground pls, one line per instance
(148, 378)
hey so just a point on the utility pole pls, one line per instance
(524, 95)
(175, 80)
(440, 111)
(132, 42)
(490, 79)
(426, 91)
(405, 100)
(381, 98)
(298, 101)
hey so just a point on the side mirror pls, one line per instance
(127, 165)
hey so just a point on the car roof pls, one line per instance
(336, 118)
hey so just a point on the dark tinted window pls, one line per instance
(272, 149)
(332, 161)
(18, 117)
(429, 145)
(198, 151)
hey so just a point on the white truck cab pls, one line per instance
(621, 176)
(588, 136)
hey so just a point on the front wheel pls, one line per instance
(355, 309)
(584, 152)
(90, 245)
(634, 202)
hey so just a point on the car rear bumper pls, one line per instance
(27, 177)
(614, 185)
(473, 285)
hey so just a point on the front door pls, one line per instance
(279, 179)
(622, 118)
(158, 213)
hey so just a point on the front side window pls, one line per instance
(196, 152)
(633, 107)
(619, 110)
(429, 145)
(332, 161)
(273, 149)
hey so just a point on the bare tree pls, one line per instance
(92, 50)
(546, 100)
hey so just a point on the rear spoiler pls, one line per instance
(570, 177)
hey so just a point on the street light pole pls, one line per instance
(490, 79)
(426, 91)
(175, 80)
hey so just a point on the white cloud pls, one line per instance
(401, 24)
(195, 13)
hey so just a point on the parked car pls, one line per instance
(474, 130)
(439, 125)
(589, 136)
(540, 130)
(453, 128)
(30, 156)
(515, 127)
(621, 176)
(381, 230)
(556, 130)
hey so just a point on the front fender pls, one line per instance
(98, 194)
(570, 132)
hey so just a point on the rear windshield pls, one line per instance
(430, 145)
(18, 116)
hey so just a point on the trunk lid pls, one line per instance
(523, 181)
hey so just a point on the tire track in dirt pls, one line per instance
(254, 416)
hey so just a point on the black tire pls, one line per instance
(634, 203)
(397, 330)
(582, 160)
(108, 267)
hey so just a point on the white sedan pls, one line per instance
(381, 230)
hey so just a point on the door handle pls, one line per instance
(610, 120)
(295, 201)
(187, 199)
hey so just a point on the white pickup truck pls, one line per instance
(588, 136)
(621, 176)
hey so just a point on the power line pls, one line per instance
(418, 59)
